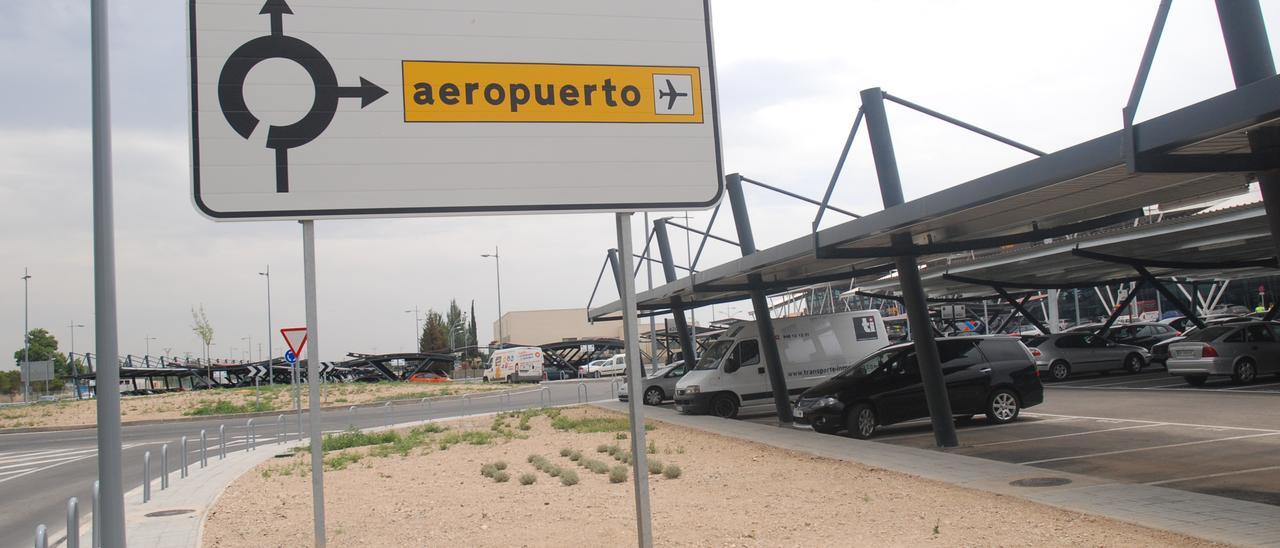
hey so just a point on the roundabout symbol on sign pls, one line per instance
(327, 90)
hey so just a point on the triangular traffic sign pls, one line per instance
(296, 338)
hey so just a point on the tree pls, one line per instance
(435, 334)
(473, 349)
(44, 347)
(202, 328)
(10, 383)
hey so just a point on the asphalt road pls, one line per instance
(40, 471)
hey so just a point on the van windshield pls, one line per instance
(711, 357)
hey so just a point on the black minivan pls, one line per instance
(991, 375)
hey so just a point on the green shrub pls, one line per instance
(671, 471)
(595, 424)
(528, 479)
(655, 466)
(223, 407)
(602, 448)
(653, 448)
(620, 436)
(501, 476)
(354, 438)
(533, 458)
(568, 477)
(472, 437)
(488, 470)
(564, 452)
(429, 428)
(500, 465)
(341, 461)
(618, 474)
(575, 456)
(596, 466)
(613, 450)
(553, 470)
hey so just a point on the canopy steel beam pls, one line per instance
(1183, 265)
(801, 198)
(1120, 307)
(940, 300)
(1020, 306)
(1016, 307)
(798, 282)
(687, 350)
(1168, 295)
(965, 125)
(1034, 285)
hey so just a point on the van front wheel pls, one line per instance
(724, 406)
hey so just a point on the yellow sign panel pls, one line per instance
(445, 91)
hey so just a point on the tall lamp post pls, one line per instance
(271, 378)
(26, 335)
(148, 338)
(72, 326)
(417, 328)
(497, 265)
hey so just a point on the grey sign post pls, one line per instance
(635, 383)
(110, 451)
(313, 380)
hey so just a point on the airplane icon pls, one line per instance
(671, 95)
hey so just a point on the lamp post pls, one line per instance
(497, 265)
(257, 395)
(148, 338)
(417, 328)
(271, 378)
(72, 326)
(26, 335)
(454, 331)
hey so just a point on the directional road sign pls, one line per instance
(258, 371)
(387, 107)
(290, 357)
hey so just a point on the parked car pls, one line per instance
(731, 376)
(591, 368)
(660, 386)
(991, 375)
(557, 371)
(1144, 334)
(1160, 351)
(1241, 350)
(1183, 323)
(429, 376)
(1063, 354)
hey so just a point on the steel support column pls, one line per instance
(617, 269)
(1168, 295)
(1249, 51)
(1120, 306)
(759, 302)
(944, 429)
(1021, 308)
(687, 352)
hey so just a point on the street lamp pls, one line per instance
(417, 328)
(271, 379)
(248, 347)
(26, 334)
(72, 326)
(456, 330)
(497, 265)
(148, 338)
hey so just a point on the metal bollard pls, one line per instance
(164, 467)
(427, 402)
(582, 392)
(97, 531)
(222, 441)
(466, 401)
(351, 417)
(146, 477)
(253, 436)
(184, 457)
(73, 523)
(42, 536)
(280, 430)
(544, 395)
(386, 408)
(204, 444)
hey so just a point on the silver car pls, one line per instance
(1062, 354)
(660, 386)
(1240, 350)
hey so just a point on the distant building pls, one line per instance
(545, 326)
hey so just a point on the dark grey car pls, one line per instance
(660, 386)
(1064, 354)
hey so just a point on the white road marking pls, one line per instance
(1251, 386)
(59, 463)
(6, 458)
(1127, 381)
(1189, 425)
(1068, 435)
(1168, 446)
(1218, 475)
(984, 429)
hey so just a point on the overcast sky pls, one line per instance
(1048, 74)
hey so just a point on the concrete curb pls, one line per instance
(451, 397)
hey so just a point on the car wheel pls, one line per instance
(1245, 372)
(1133, 363)
(861, 421)
(724, 406)
(1002, 406)
(1196, 381)
(1059, 370)
(653, 396)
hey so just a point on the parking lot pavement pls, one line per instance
(1159, 380)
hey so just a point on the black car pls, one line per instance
(553, 370)
(991, 375)
(1144, 334)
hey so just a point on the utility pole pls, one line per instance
(497, 265)
(653, 323)
(148, 338)
(26, 336)
(417, 329)
(271, 378)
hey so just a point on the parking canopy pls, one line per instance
(1196, 153)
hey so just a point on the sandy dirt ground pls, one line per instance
(180, 404)
(730, 493)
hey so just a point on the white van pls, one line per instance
(519, 364)
(730, 375)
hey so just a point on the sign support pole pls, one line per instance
(635, 384)
(313, 380)
(110, 508)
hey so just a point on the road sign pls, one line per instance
(382, 107)
(37, 371)
(257, 371)
(290, 357)
(296, 338)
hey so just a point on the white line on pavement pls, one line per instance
(41, 469)
(1250, 386)
(1068, 435)
(984, 429)
(1030, 414)
(1171, 445)
(6, 458)
(1218, 475)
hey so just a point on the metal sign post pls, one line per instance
(313, 380)
(635, 383)
(296, 339)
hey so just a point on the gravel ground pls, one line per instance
(178, 404)
(731, 493)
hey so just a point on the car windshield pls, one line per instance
(1035, 341)
(711, 357)
(871, 363)
(1209, 333)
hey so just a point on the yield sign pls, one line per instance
(296, 338)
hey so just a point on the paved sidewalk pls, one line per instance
(1212, 518)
